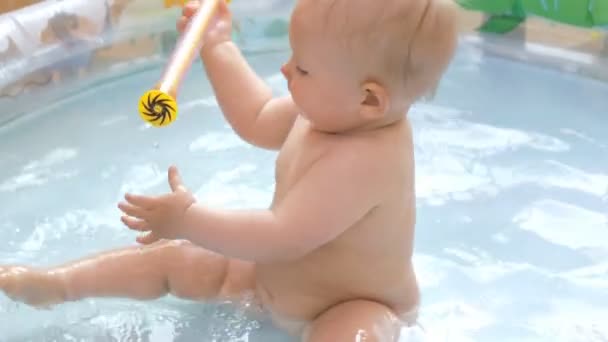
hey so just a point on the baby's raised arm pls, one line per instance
(246, 101)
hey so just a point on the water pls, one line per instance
(512, 181)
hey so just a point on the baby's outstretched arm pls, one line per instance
(246, 101)
(335, 193)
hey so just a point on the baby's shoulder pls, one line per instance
(380, 157)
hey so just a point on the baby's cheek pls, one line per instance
(297, 97)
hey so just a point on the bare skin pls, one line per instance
(330, 259)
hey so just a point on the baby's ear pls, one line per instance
(375, 101)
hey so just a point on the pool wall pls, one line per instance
(51, 48)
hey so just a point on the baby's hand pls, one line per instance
(162, 216)
(220, 28)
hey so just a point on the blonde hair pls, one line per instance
(406, 45)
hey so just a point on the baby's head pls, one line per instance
(364, 62)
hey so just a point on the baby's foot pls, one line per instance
(32, 287)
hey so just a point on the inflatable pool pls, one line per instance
(512, 180)
(55, 40)
(506, 15)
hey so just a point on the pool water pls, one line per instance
(512, 186)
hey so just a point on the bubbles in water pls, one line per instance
(7, 306)
(216, 141)
(54, 157)
(564, 224)
(142, 177)
(232, 324)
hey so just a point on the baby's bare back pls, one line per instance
(372, 259)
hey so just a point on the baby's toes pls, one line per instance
(24, 285)
(9, 279)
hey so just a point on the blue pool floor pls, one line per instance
(512, 187)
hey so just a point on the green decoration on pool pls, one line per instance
(506, 15)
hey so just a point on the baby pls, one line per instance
(331, 258)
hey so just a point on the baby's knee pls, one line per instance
(356, 320)
(193, 272)
(197, 273)
(169, 253)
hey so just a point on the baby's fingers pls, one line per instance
(145, 202)
(190, 8)
(146, 239)
(134, 211)
(135, 224)
(175, 180)
(222, 7)
(181, 24)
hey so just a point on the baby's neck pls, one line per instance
(371, 126)
(388, 120)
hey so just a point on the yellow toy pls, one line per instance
(158, 106)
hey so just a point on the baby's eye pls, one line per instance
(301, 71)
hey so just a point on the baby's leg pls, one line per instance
(139, 272)
(357, 320)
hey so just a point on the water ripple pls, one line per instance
(565, 224)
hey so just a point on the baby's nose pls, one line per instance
(285, 71)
